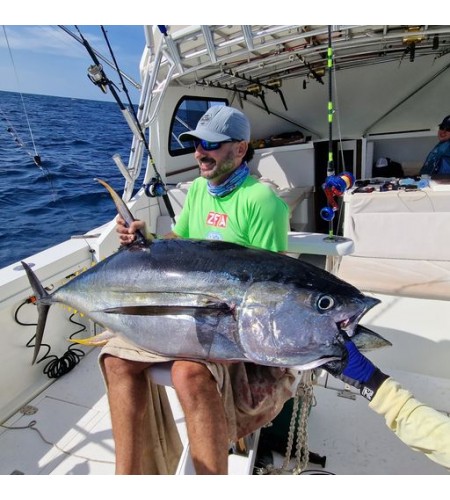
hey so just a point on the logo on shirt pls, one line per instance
(217, 220)
(214, 235)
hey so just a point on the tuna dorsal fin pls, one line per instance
(124, 211)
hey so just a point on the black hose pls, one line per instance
(56, 367)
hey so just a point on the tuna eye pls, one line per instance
(324, 303)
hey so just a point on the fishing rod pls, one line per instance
(99, 55)
(256, 87)
(241, 93)
(315, 74)
(334, 185)
(330, 165)
(156, 186)
(122, 81)
(97, 75)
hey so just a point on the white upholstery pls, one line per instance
(418, 236)
(401, 243)
(410, 278)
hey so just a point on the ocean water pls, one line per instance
(76, 139)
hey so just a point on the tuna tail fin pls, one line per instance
(43, 308)
(124, 211)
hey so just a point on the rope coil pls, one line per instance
(303, 401)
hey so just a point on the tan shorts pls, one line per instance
(252, 394)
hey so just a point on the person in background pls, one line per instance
(419, 426)
(219, 404)
(385, 167)
(438, 160)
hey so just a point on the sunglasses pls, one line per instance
(210, 146)
(447, 129)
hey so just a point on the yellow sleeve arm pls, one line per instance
(419, 426)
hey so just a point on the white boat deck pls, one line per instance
(72, 431)
(72, 415)
(356, 440)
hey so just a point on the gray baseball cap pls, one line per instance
(220, 123)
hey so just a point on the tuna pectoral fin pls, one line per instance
(97, 340)
(213, 308)
(366, 340)
(43, 308)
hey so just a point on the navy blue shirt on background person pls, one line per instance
(438, 159)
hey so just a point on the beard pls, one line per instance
(217, 171)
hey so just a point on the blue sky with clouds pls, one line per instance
(43, 59)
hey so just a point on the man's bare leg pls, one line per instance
(127, 394)
(205, 416)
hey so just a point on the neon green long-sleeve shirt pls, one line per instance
(419, 426)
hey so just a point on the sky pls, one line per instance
(44, 59)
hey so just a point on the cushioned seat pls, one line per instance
(401, 243)
(411, 278)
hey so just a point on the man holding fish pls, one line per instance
(224, 203)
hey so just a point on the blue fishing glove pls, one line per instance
(357, 371)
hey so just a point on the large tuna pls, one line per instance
(217, 301)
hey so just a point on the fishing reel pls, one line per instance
(97, 76)
(154, 188)
(335, 185)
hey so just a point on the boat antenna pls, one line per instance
(97, 75)
(36, 157)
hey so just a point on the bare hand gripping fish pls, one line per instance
(217, 301)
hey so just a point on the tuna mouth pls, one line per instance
(349, 325)
(343, 325)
